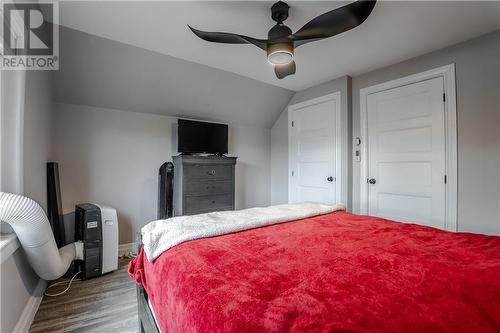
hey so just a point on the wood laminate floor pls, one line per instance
(104, 304)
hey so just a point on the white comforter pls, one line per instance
(159, 236)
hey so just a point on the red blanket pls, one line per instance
(337, 272)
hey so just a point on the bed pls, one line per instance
(335, 272)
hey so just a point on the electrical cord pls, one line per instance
(61, 282)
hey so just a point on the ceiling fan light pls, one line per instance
(280, 58)
(280, 54)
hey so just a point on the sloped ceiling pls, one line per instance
(396, 31)
(100, 72)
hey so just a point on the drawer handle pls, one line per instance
(211, 172)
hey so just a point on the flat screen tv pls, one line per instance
(201, 137)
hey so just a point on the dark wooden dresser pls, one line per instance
(203, 184)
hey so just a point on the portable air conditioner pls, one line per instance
(97, 227)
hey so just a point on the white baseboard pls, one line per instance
(29, 312)
(126, 248)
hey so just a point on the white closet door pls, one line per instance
(406, 153)
(313, 153)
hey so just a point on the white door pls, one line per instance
(313, 153)
(406, 153)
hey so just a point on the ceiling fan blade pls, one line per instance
(229, 38)
(334, 22)
(283, 71)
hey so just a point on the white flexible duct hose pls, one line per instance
(33, 230)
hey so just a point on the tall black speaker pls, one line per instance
(54, 204)
(165, 190)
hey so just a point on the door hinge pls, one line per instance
(445, 179)
(444, 97)
(292, 123)
(292, 173)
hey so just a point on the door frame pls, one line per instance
(341, 162)
(450, 108)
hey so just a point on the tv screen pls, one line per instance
(201, 137)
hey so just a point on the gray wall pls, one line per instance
(279, 138)
(478, 113)
(18, 281)
(112, 157)
(18, 285)
(279, 160)
(37, 150)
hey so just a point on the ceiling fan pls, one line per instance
(281, 42)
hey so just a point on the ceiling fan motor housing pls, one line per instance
(279, 32)
(279, 47)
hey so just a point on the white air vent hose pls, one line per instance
(33, 230)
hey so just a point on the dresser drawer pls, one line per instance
(216, 171)
(207, 203)
(218, 209)
(208, 187)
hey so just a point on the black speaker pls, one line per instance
(165, 190)
(54, 204)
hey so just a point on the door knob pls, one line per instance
(372, 181)
(330, 179)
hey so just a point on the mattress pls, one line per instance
(334, 272)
